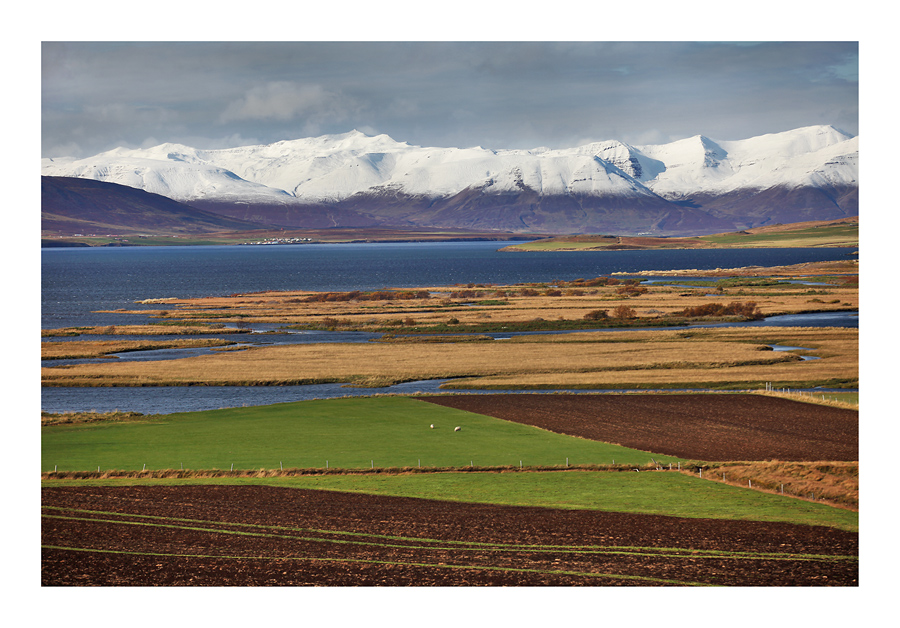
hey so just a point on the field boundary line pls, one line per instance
(646, 551)
(396, 563)
(263, 473)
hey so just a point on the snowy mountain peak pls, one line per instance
(330, 168)
(623, 157)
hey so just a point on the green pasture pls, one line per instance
(553, 245)
(844, 234)
(649, 492)
(347, 433)
(839, 234)
(849, 397)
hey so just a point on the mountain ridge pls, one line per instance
(70, 205)
(691, 186)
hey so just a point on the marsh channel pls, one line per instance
(77, 283)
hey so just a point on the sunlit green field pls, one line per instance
(650, 492)
(848, 397)
(337, 433)
(830, 235)
(840, 234)
(392, 432)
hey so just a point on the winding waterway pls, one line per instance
(77, 283)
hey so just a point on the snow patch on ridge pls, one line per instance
(334, 167)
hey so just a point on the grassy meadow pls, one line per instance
(805, 234)
(345, 438)
(672, 494)
(340, 433)
(835, 234)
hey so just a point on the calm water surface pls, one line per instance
(77, 282)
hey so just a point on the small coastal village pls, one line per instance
(279, 241)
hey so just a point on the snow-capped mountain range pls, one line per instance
(691, 185)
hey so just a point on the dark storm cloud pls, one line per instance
(500, 95)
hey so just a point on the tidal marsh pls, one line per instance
(726, 357)
(582, 303)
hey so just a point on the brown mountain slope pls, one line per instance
(72, 205)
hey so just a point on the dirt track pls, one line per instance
(708, 427)
(186, 536)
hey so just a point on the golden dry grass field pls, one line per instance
(78, 349)
(723, 357)
(142, 330)
(728, 357)
(466, 308)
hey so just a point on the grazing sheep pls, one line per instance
(432, 426)
(456, 429)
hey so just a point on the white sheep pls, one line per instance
(456, 429)
(432, 426)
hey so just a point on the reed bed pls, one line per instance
(823, 398)
(71, 418)
(722, 357)
(178, 329)
(81, 349)
(573, 359)
(516, 305)
(836, 483)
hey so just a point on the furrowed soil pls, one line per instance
(710, 427)
(255, 535)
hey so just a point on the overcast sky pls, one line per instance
(96, 96)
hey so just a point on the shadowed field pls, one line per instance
(697, 427)
(256, 536)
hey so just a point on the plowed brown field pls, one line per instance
(708, 427)
(254, 535)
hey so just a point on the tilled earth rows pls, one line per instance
(709, 427)
(255, 535)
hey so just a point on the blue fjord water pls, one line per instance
(78, 282)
